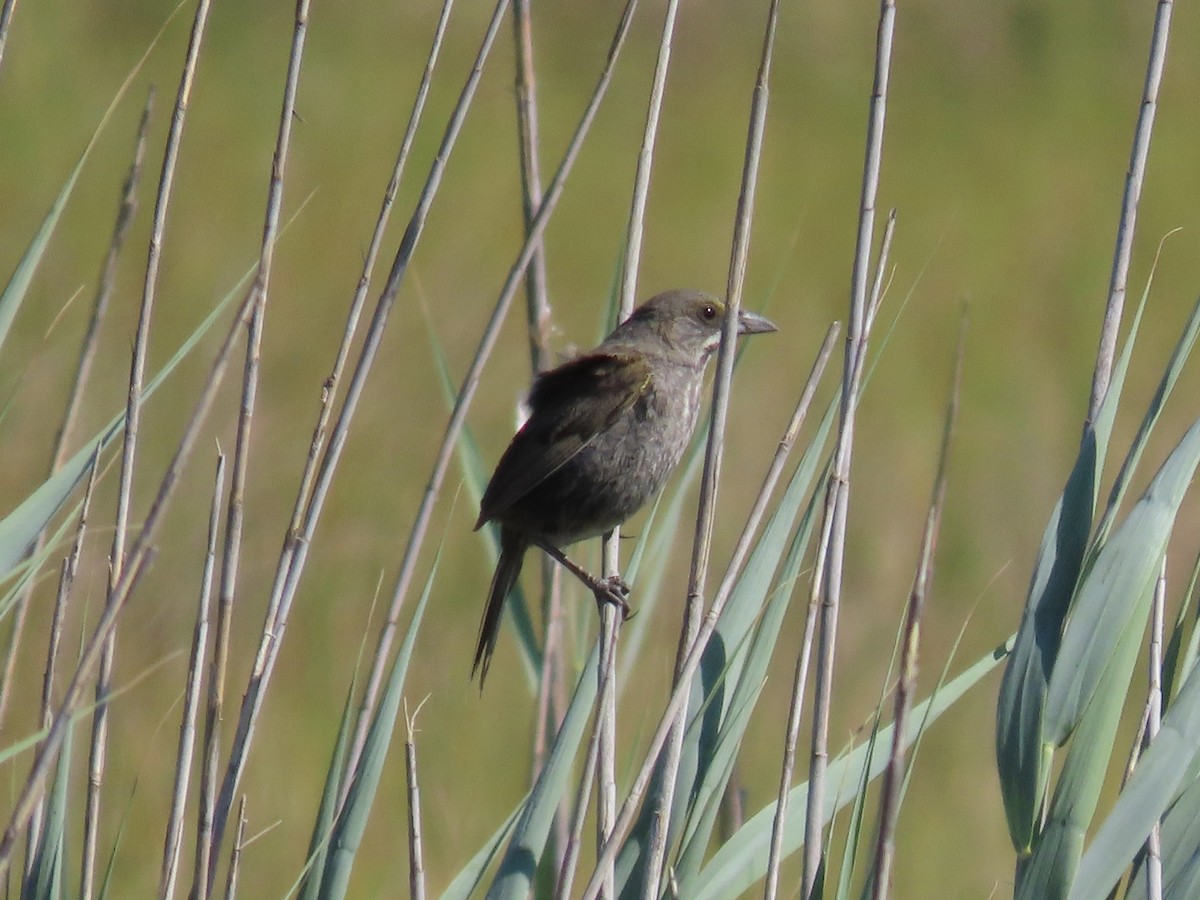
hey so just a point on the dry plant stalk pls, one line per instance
(133, 415)
(1134, 177)
(894, 774)
(126, 209)
(706, 511)
(235, 517)
(416, 865)
(173, 839)
(839, 483)
(680, 693)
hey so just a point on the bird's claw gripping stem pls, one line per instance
(614, 589)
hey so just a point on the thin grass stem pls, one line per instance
(1134, 177)
(67, 573)
(606, 718)
(235, 852)
(295, 555)
(610, 622)
(87, 351)
(235, 512)
(133, 416)
(1154, 706)
(551, 679)
(775, 855)
(839, 483)
(894, 774)
(416, 864)
(486, 344)
(645, 163)
(537, 300)
(657, 845)
(138, 559)
(570, 861)
(173, 840)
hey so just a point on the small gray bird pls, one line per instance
(604, 432)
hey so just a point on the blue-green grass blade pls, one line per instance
(1087, 691)
(18, 283)
(1175, 364)
(1113, 598)
(742, 860)
(46, 877)
(20, 528)
(1052, 866)
(518, 866)
(1180, 842)
(1021, 760)
(1178, 659)
(746, 682)
(364, 781)
(471, 877)
(1157, 782)
(309, 883)
(475, 477)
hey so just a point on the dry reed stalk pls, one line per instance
(839, 485)
(679, 694)
(235, 511)
(133, 415)
(1135, 175)
(173, 839)
(706, 507)
(804, 656)
(126, 209)
(894, 774)
(416, 865)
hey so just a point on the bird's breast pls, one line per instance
(624, 466)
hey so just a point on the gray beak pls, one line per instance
(753, 323)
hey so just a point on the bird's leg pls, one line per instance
(612, 589)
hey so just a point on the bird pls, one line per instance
(604, 432)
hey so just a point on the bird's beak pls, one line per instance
(753, 323)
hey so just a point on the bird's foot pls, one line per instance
(613, 589)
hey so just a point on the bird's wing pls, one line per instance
(569, 406)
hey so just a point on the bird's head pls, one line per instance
(683, 323)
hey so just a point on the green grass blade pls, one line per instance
(309, 884)
(754, 661)
(470, 878)
(1023, 766)
(20, 528)
(1156, 783)
(1180, 840)
(1114, 596)
(352, 822)
(518, 866)
(475, 474)
(46, 876)
(1056, 854)
(18, 284)
(742, 860)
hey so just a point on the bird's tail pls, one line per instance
(508, 568)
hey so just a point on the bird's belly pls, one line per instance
(606, 482)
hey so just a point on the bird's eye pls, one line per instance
(708, 312)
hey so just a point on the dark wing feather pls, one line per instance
(569, 406)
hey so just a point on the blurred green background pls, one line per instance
(1007, 142)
